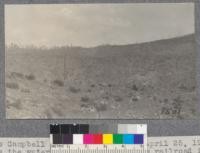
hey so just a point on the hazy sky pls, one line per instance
(96, 24)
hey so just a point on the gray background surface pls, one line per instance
(40, 128)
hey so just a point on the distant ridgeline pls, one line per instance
(186, 38)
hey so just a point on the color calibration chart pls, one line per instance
(79, 138)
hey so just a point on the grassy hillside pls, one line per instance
(147, 80)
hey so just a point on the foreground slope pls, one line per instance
(147, 80)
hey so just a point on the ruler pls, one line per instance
(98, 149)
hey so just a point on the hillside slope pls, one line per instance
(154, 80)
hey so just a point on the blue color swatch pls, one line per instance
(138, 138)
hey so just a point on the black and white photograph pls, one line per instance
(100, 61)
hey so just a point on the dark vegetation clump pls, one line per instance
(165, 110)
(85, 99)
(106, 97)
(134, 87)
(166, 100)
(30, 77)
(12, 85)
(109, 85)
(59, 83)
(25, 90)
(101, 107)
(89, 90)
(92, 85)
(134, 99)
(74, 90)
(84, 105)
(177, 105)
(118, 98)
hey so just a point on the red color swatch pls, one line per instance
(97, 138)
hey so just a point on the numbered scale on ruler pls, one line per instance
(77, 138)
(98, 149)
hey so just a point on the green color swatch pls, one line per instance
(118, 138)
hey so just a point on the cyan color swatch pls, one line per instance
(128, 139)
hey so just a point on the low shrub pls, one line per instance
(74, 90)
(12, 85)
(59, 83)
(85, 99)
(30, 77)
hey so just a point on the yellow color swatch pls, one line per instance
(107, 138)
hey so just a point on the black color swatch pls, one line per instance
(75, 129)
(54, 129)
(57, 139)
(83, 128)
(66, 128)
(69, 128)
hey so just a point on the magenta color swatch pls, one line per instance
(88, 138)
